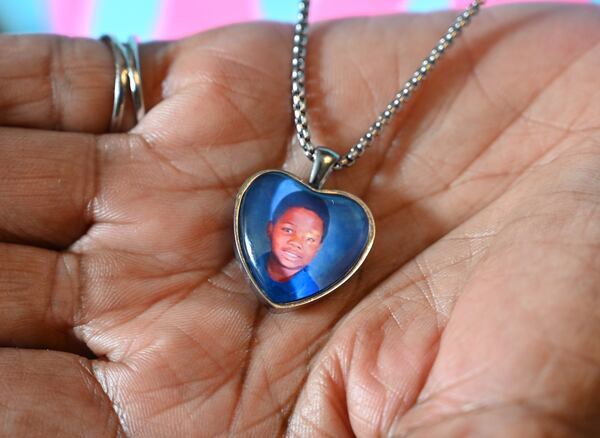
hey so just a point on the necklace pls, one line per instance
(295, 241)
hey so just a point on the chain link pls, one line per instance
(299, 93)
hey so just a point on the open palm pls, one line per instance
(476, 312)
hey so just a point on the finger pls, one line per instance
(39, 298)
(47, 393)
(59, 83)
(48, 183)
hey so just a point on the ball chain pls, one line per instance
(299, 92)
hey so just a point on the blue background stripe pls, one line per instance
(426, 5)
(280, 10)
(24, 16)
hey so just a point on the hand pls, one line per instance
(475, 314)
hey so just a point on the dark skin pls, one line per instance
(296, 237)
(476, 312)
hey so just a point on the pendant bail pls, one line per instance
(323, 161)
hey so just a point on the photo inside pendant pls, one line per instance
(298, 242)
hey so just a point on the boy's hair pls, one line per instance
(303, 200)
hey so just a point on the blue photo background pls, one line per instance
(345, 240)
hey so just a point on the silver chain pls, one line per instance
(299, 94)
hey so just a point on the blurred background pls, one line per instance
(169, 19)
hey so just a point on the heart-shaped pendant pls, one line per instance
(298, 243)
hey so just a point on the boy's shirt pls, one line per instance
(299, 286)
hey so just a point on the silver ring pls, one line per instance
(127, 76)
(134, 72)
(116, 119)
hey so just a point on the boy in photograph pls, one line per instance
(297, 228)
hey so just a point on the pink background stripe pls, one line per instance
(185, 17)
(71, 17)
(463, 3)
(330, 9)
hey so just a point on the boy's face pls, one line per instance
(296, 237)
